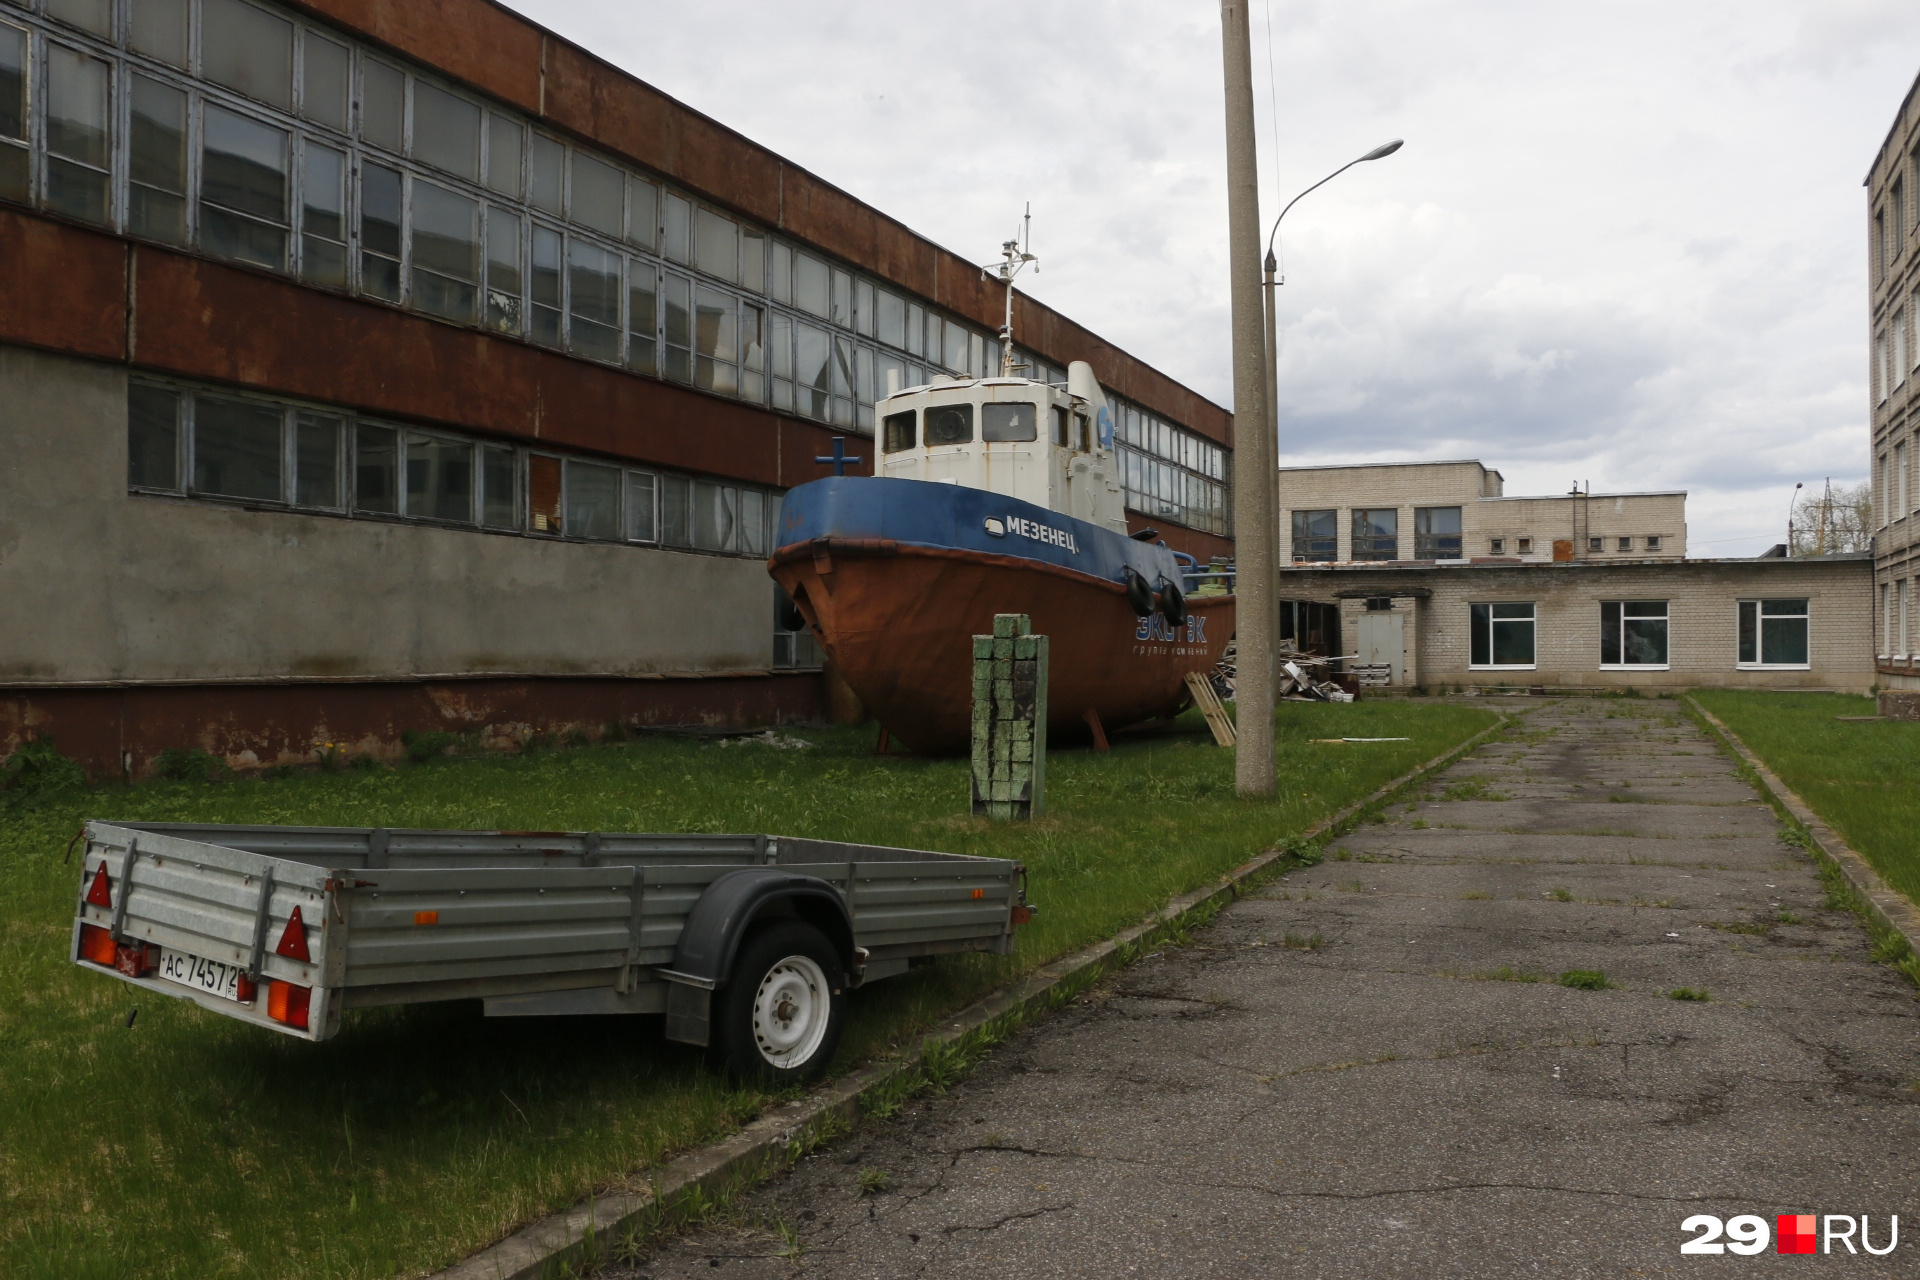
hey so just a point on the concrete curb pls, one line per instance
(788, 1130)
(1890, 907)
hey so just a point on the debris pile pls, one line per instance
(779, 742)
(1303, 677)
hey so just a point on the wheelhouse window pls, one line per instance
(950, 424)
(1436, 533)
(1376, 534)
(1773, 633)
(897, 432)
(1633, 633)
(1316, 536)
(1502, 635)
(1008, 422)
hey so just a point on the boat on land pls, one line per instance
(996, 495)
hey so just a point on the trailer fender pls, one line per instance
(720, 921)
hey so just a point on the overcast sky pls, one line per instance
(1625, 242)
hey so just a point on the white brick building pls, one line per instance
(1458, 510)
(1430, 570)
(1893, 269)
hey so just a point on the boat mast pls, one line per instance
(1014, 258)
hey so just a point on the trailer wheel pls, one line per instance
(780, 1015)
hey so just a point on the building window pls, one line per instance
(201, 444)
(77, 178)
(1773, 633)
(1376, 534)
(1899, 350)
(1626, 544)
(1653, 542)
(13, 114)
(1523, 545)
(1497, 546)
(1436, 533)
(1901, 635)
(1316, 536)
(1633, 633)
(1596, 544)
(1897, 508)
(1502, 635)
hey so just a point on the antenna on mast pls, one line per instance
(1014, 258)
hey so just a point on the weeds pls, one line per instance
(870, 1182)
(188, 764)
(1299, 942)
(1584, 980)
(1689, 993)
(36, 772)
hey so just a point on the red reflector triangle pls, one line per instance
(293, 943)
(100, 892)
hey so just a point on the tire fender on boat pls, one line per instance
(1173, 605)
(1139, 594)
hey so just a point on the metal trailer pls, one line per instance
(747, 943)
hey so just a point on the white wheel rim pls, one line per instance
(790, 1012)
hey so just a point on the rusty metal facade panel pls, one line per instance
(119, 731)
(62, 288)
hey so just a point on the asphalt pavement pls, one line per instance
(1371, 1068)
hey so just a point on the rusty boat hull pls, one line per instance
(897, 576)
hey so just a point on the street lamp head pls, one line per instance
(1382, 151)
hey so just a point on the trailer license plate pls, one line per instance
(201, 975)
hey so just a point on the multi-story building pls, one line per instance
(1459, 511)
(1428, 574)
(1893, 271)
(376, 366)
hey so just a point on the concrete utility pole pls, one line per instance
(1254, 612)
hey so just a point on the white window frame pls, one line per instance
(1759, 638)
(1622, 637)
(1533, 621)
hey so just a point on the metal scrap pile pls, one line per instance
(1305, 678)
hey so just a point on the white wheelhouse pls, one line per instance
(791, 1011)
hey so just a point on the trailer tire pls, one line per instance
(779, 1017)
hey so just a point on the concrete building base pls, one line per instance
(1900, 704)
(120, 731)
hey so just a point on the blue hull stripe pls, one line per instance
(955, 518)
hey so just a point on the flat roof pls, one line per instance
(1497, 562)
(1362, 466)
(1554, 497)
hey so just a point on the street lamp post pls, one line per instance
(1273, 343)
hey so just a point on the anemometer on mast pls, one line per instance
(1014, 259)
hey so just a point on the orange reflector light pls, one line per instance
(100, 892)
(288, 1003)
(96, 944)
(1022, 914)
(426, 917)
(979, 893)
(293, 945)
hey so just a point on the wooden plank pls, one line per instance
(1209, 703)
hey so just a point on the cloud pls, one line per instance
(1625, 242)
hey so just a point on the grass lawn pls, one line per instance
(190, 1145)
(1863, 778)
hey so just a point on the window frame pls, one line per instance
(1759, 633)
(1475, 620)
(1618, 623)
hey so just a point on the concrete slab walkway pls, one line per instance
(1368, 1068)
